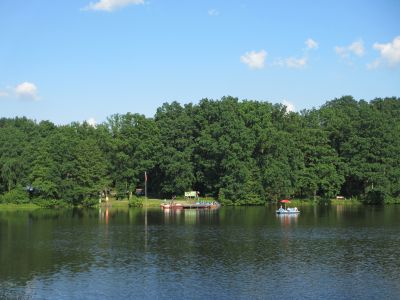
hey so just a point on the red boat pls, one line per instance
(171, 206)
(198, 205)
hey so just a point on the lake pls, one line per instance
(327, 252)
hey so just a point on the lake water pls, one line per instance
(330, 252)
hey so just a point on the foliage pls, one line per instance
(89, 202)
(17, 195)
(136, 202)
(50, 203)
(239, 152)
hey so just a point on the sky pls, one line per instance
(78, 60)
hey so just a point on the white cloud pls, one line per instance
(311, 44)
(292, 62)
(26, 90)
(389, 54)
(3, 94)
(110, 5)
(92, 122)
(253, 59)
(356, 48)
(373, 65)
(289, 106)
(213, 12)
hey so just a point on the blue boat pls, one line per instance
(288, 211)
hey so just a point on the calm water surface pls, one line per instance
(327, 252)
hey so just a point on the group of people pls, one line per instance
(289, 208)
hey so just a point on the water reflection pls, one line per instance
(287, 219)
(346, 253)
(190, 216)
(103, 215)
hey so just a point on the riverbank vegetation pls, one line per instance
(239, 152)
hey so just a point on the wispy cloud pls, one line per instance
(111, 5)
(389, 54)
(254, 59)
(311, 44)
(3, 94)
(27, 91)
(291, 62)
(355, 48)
(213, 12)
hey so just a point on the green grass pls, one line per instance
(155, 203)
(14, 206)
(149, 203)
(306, 202)
(345, 202)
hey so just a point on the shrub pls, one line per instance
(392, 200)
(89, 202)
(226, 202)
(374, 197)
(17, 195)
(50, 203)
(136, 202)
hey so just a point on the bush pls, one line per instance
(226, 202)
(52, 203)
(89, 202)
(17, 196)
(136, 202)
(374, 197)
(392, 200)
(322, 201)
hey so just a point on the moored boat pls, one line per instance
(171, 206)
(202, 205)
(197, 205)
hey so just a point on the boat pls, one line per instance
(171, 206)
(288, 211)
(202, 205)
(197, 205)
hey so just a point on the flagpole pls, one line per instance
(145, 185)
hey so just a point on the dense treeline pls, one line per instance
(241, 152)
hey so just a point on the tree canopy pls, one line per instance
(239, 151)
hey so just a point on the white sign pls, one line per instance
(191, 194)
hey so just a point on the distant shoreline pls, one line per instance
(155, 203)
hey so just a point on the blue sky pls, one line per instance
(67, 61)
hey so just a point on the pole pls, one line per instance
(145, 185)
(145, 213)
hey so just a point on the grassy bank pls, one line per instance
(306, 202)
(346, 202)
(155, 203)
(149, 203)
(13, 206)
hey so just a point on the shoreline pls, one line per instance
(155, 203)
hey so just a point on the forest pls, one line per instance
(240, 152)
